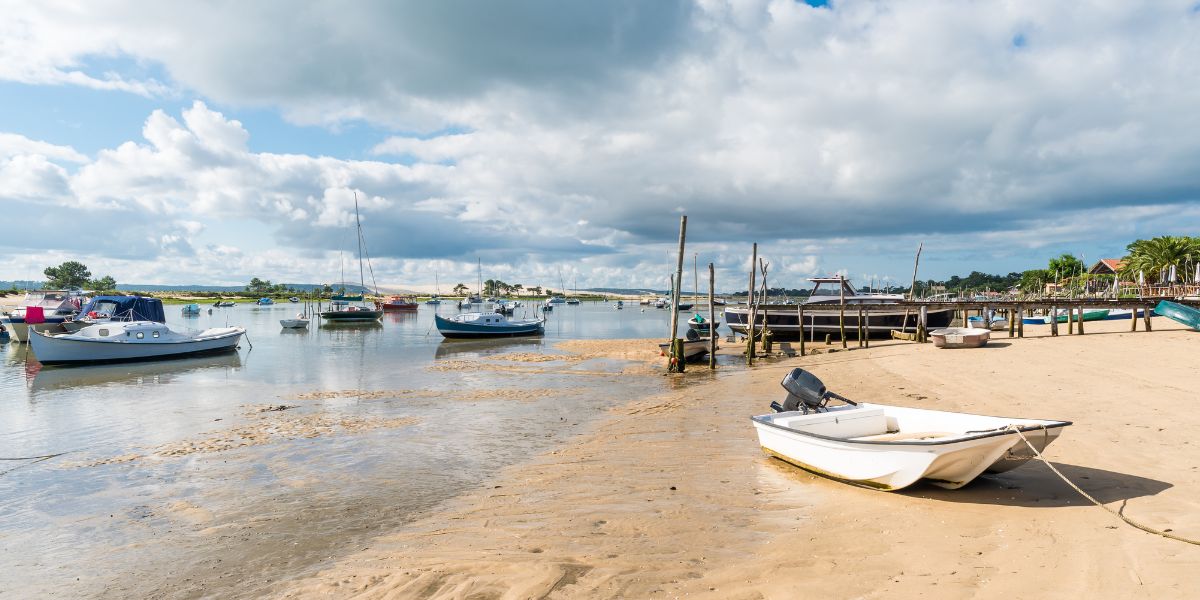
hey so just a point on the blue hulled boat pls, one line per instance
(1178, 312)
(486, 325)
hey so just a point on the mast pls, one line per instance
(695, 276)
(479, 267)
(362, 280)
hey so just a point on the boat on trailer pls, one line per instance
(124, 341)
(891, 447)
(821, 313)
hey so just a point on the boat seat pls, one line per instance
(900, 436)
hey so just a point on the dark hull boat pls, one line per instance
(486, 325)
(821, 315)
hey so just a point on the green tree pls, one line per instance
(460, 290)
(1034, 281)
(1155, 257)
(71, 274)
(327, 289)
(536, 290)
(1066, 266)
(104, 284)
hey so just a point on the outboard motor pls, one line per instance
(806, 393)
(692, 335)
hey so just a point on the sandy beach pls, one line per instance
(671, 496)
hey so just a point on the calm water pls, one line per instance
(230, 522)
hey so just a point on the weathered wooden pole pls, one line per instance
(1021, 323)
(867, 328)
(912, 289)
(675, 361)
(1146, 314)
(712, 320)
(923, 325)
(1133, 320)
(1053, 322)
(842, 309)
(1081, 320)
(1012, 322)
(750, 306)
(800, 321)
(1070, 320)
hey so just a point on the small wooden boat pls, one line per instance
(891, 447)
(1178, 312)
(959, 337)
(486, 325)
(130, 341)
(694, 346)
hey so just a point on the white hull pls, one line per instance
(890, 448)
(959, 337)
(77, 349)
(294, 323)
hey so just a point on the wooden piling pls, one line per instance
(1021, 323)
(842, 309)
(800, 321)
(676, 358)
(923, 325)
(860, 327)
(1070, 320)
(750, 307)
(1146, 316)
(1053, 322)
(1080, 320)
(1133, 320)
(1012, 323)
(712, 320)
(867, 327)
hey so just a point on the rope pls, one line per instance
(1115, 513)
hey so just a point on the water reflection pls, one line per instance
(472, 348)
(47, 378)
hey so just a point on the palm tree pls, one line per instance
(1155, 257)
(459, 289)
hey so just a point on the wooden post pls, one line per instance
(1021, 323)
(1080, 320)
(842, 309)
(712, 321)
(1012, 322)
(750, 306)
(923, 325)
(860, 327)
(1133, 320)
(912, 289)
(1053, 322)
(866, 328)
(675, 362)
(1147, 318)
(800, 320)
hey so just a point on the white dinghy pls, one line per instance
(130, 341)
(892, 447)
(959, 337)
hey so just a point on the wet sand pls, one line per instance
(671, 496)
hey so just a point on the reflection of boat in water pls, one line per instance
(461, 347)
(50, 378)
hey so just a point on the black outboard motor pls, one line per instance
(806, 393)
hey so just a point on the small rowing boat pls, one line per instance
(1178, 312)
(891, 447)
(959, 337)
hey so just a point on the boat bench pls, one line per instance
(848, 424)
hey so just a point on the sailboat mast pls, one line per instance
(479, 268)
(362, 280)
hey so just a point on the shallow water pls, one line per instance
(158, 495)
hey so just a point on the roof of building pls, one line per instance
(1107, 265)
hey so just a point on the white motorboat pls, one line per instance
(959, 337)
(300, 322)
(41, 310)
(892, 447)
(130, 341)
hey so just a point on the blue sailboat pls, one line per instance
(487, 325)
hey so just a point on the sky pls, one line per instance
(560, 141)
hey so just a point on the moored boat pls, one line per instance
(105, 309)
(996, 323)
(300, 322)
(1179, 312)
(1089, 314)
(485, 325)
(121, 341)
(891, 447)
(265, 302)
(399, 303)
(959, 337)
(821, 314)
(40, 310)
(694, 346)
(190, 310)
(701, 325)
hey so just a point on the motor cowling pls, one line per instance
(806, 392)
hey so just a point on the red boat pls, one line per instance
(400, 303)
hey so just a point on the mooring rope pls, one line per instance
(1115, 513)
